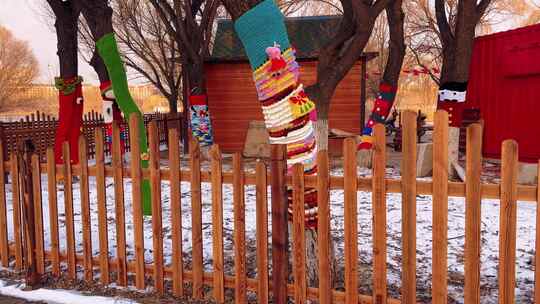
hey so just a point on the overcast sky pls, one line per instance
(25, 19)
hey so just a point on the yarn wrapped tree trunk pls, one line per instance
(111, 111)
(190, 22)
(69, 84)
(289, 113)
(457, 45)
(389, 82)
(98, 14)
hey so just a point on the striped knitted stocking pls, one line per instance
(288, 112)
(379, 114)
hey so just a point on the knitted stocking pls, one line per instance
(69, 117)
(108, 50)
(111, 113)
(379, 114)
(288, 112)
(201, 126)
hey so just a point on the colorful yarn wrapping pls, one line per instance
(69, 119)
(288, 112)
(269, 82)
(201, 126)
(379, 114)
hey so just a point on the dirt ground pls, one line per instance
(10, 300)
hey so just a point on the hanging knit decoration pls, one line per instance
(111, 113)
(452, 96)
(70, 114)
(107, 48)
(288, 112)
(379, 114)
(201, 126)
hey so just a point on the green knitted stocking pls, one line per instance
(108, 50)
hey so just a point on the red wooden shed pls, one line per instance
(232, 98)
(505, 85)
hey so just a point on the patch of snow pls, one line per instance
(56, 296)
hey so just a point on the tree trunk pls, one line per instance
(237, 8)
(99, 66)
(321, 125)
(66, 23)
(197, 77)
(173, 102)
(98, 15)
(197, 86)
(457, 53)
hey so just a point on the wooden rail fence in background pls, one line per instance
(118, 266)
(41, 128)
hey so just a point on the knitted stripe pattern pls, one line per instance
(381, 110)
(201, 126)
(288, 112)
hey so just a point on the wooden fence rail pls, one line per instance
(116, 266)
(41, 128)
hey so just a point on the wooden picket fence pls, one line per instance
(14, 251)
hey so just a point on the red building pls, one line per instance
(505, 85)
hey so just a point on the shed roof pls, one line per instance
(307, 35)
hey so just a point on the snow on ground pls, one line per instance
(490, 225)
(56, 296)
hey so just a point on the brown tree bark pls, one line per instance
(97, 27)
(98, 14)
(396, 20)
(67, 16)
(341, 53)
(457, 41)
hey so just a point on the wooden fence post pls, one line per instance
(280, 235)
(408, 189)
(507, 224)
(439, 287)
(25, 163)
